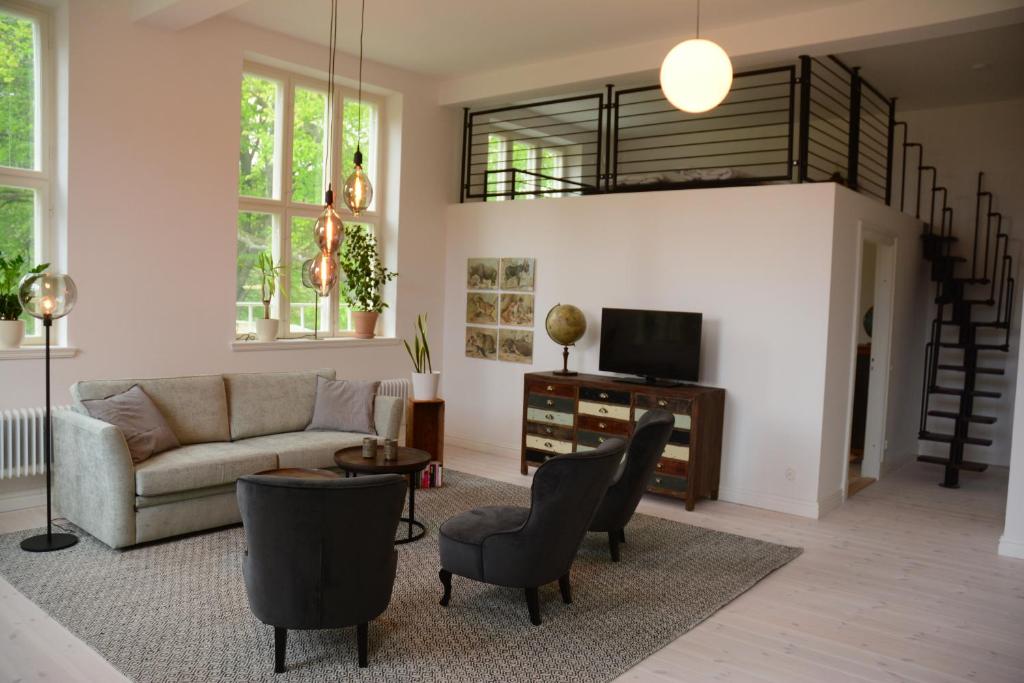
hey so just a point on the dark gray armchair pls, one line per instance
(648, 442)
(529, 547)
(320, 552)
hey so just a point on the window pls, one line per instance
(534, 169)
(25, 163)
(283, 169)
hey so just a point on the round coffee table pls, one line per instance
(409, 461)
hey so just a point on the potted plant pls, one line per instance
(266, 327)
(362, 288)
(12, 328)
(424, 378)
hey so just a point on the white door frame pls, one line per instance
(886, 245)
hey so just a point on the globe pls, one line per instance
(565, 324)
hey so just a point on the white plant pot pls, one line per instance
(266, 329)
(12, 333)
(424, 385)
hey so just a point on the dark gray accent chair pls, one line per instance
(650, 436)
(529, 547)
(321, 552)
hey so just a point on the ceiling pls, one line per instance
(981, 66)
(448, 38)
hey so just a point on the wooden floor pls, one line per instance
(900, 584)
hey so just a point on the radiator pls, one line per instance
(394, 387)
(21, 441)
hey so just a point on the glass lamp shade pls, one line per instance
(47, 295)
(322, 272)
(696, 75)
(329, 230)
(358, 191)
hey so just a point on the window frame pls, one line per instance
(284, 208)
(39, 178)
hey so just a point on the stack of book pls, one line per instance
(432, 476)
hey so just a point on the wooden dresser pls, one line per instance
(577, 413)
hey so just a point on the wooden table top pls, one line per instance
(409, 460)
(300, 473)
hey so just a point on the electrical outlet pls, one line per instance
(790, 474)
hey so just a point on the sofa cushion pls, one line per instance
(271, 402)
(141, 424)
(344, 405)
(196, 408)
(304, 449)
(199, 466)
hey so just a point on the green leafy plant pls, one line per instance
(362, 288)
(419, 352)
(269, 275)
(11, 272)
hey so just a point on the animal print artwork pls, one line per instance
(481, 308)
(517, 309)
(518, 274)
(482, 273)
(515, 346)
(482, 343)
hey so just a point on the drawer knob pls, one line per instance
(600, 439)
(551, 402)
(659, 465)
(549, 416)
(603, 394)
(602, 425)
(548, 430)
(657, 480)
(551, 387)
(603, 410)
(662, 402)
(548, 444)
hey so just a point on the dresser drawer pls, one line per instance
(680, 437)
(562, 405)
(592, 439)
(670, 466)
(604, 424)
(667, 482)
(549, 417)
(672, 405)
(549, 431)
(676, 452)
(541, 443)
(615, 412)
(682, 421)
(552, 388)
(605, 395)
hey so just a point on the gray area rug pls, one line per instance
(177, 610)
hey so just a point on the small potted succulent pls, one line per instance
(12, 328)
(424, 378)
(267, 327)
(362, 286)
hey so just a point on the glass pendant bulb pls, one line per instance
(696, 75)
(323, 273)
(329, 232)
(358, 191)
(47, 296)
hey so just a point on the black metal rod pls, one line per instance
(977, 211)
(47, 324)
(560, 100)
(805, 117)
(463, 186)
(854, 148)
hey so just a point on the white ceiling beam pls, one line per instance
(176, 15)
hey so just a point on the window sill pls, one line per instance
(34, 352)
(309, 344)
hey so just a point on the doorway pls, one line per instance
(871, 362)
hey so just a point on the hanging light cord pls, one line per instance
(359, 127)
(333, 40)
(698, 19)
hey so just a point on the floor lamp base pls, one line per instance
(44, 543)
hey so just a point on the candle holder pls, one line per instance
(391, 449)
(369, 447)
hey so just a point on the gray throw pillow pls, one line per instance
(143, 425)
(344, 405)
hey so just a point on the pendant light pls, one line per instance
(696, 74)
(358, 191)
(328, 232)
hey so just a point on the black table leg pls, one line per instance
(413, 534)
(412, 505)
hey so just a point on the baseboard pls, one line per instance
(769, 501)
(830, 502)
(1011, 548)
(482, 446)
(21, 500)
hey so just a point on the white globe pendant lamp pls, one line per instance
(696, 74)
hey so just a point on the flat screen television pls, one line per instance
(655, 345)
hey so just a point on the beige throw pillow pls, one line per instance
(344, 405)
(140, 421)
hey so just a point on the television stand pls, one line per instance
(651, 382)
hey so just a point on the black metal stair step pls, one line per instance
(979, 347)
(952, 438)
(977, 302)
(999, 325)
(953, 391)
(964, 465)
(980, 371)
(980, 419)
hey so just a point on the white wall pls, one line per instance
(960, 141)
(1011, 543)
(153, 122)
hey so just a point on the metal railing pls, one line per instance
(246, 312)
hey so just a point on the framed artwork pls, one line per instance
(482, 308)
(515, 346)
(517, 309)
(518, 274)
(482, 342)
(482, 273)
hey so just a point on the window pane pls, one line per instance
(551, 166)
(344, 312)
(522, 154)
(366, 138)
(303, 299)
(17, 92)
(255, 235)
(495, 161)
(310, 128)
(256, 155)
(17, 235)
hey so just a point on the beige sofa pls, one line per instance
(228, 426)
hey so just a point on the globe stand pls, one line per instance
(565, 371)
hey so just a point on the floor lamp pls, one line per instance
(48, 297)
